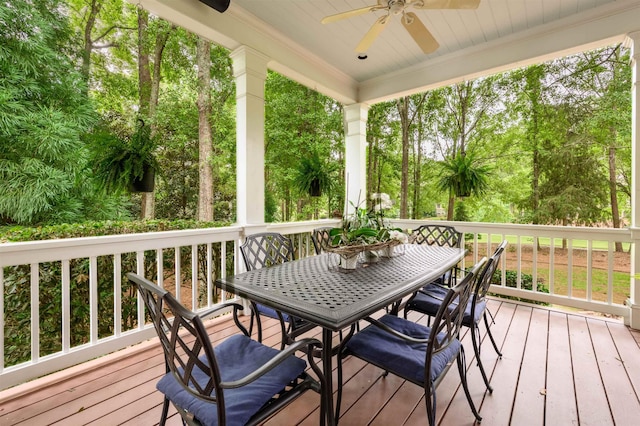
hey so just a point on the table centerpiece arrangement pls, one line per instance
(365, 236)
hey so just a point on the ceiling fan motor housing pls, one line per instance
(396, 7)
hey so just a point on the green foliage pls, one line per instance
(17, 296)
(314, 176)
(43, 112)
(464, 175)
(460, 213)
(98, 228)
(118, 161)
(526, 283)
(363, 226)
(300, 123)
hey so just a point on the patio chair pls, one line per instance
(429, 300)
(321, 238)
(440, 235)
(414, 352)
(239, 381)
(263, 250)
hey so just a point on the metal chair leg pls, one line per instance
(463, 377)
(165, 412)
(475, 339)
(493, 342)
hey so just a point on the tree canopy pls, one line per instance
(552, 141)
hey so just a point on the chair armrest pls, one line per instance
(290, 350)
(393, 332)
(236, 307)
(212, 311)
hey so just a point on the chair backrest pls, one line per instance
(266, 249)
(448, 320)
(185, 342)
(441, 235)
(321, 238)
(484, 279)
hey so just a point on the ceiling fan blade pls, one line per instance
(351, 13)
(419, 33)
(372, 34)
(446, 4)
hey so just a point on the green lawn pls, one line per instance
(546, 242)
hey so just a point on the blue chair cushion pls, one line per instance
(237, 356)
(398, 356)
(430, 303)
(271, 313)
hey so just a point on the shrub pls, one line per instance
(526, 283)
(17, 300)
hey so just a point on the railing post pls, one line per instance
(633, 40)
(633, 302)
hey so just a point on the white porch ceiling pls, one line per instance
(499, 35)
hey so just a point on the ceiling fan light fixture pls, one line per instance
(397, 7)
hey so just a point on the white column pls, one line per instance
(633, 302)
(355, 129)
(250, 72)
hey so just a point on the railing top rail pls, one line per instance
(576, 232)
(72, 248)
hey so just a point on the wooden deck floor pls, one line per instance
(557, 369)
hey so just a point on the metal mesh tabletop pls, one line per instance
(313, 289)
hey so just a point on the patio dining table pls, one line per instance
(314, 289)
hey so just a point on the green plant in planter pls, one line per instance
(125, 163)
(313, 176)
(464, 175)
(362, 227)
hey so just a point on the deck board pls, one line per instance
(586, 365)
(560, 398)
(593, 407)
(530, 399)
(620, 393)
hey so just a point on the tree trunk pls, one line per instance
(417, 172)
(451, 206)
(88, 42)
(205, 187)
(144, 93)
(613, 187)
(149, 86)
(403, 111)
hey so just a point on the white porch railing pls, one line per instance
(576, 267)
(585, 275)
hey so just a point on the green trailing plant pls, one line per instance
(464, 175)
(119, 163)
(313, 176)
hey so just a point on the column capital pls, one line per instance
(246, 59)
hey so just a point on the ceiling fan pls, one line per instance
(410, 20)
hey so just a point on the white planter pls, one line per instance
(350, 262)
(388, 251)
